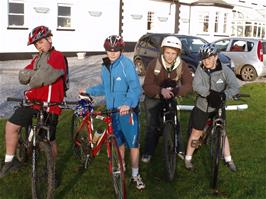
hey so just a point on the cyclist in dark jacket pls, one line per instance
(213, 82)
(167, 76)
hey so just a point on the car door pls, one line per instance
(233, 48)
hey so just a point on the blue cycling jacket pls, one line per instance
(120, 85)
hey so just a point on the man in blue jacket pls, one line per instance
(121, 88)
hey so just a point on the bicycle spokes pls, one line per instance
(43, 172)
(116, 169)
(169, 135)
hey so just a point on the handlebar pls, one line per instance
(37, 102)
(228, 107)
(240, 95)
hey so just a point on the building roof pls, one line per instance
(217, 3)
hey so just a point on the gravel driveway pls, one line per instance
(83, 73)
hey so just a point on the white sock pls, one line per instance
(135, 172)
(9, 158)
(228, 158)
(188, 157)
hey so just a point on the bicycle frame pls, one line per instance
(87, 149)
(88, 123)
(169, 114)
(43, 167)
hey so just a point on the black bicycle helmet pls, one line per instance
(207, 50)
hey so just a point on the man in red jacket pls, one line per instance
(45, 76)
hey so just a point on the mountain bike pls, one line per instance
(34, 143)
(214, 135)
(215, 131)
(171, 136)
(88, 142)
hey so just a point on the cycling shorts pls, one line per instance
(23, 117)
(126, 129)
(199, 118)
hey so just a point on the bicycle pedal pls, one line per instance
(181, 155)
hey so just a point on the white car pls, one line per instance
(247, 55)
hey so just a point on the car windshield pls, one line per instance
(192, 44)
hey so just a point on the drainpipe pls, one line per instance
(121, 3)
(177, 17)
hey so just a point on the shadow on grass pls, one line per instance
(75, 174)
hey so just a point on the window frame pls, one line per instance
(65, 28)
(15, 26)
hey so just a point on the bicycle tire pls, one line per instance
(169, 153)
(43, 172)
(22, 149)
(79, 139)
(116, 169)
(216, 154)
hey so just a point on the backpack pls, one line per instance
(66, 79)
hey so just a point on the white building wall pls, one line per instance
(88, 32)
(197, 29)
(184, 19)
(136, 14)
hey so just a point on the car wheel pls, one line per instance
(139, 67)
(248, 73)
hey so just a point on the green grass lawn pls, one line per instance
(247, 135)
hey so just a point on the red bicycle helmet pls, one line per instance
(114, 43)
(38, 33)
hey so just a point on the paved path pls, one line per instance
(83, 73)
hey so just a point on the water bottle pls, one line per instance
(96, 136)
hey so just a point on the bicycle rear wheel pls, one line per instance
(116, 169)
(169, 153)
(79, 139)
(216, 154)
(22, 149)
(43, 172)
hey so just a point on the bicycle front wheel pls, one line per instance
(79, 139)
(169, 146)
(22, 150)
(43, 172)
(117, 169)
(216, 154)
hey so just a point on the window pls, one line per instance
(64, 16)
(222, 45)
(150, 20)
(225, 22)
(238, 45)
(195, 44)
(248, 29)
(155, 42)
(216, 22)
(15, 14)
(204, 21)
(255, 29)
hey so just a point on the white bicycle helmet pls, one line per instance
(171, 41)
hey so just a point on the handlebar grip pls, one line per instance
(243, 95)
(13, 99)
(71, 102)
(239, 95)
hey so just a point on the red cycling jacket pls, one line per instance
(53, 92)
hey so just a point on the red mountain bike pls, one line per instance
(86, 147)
